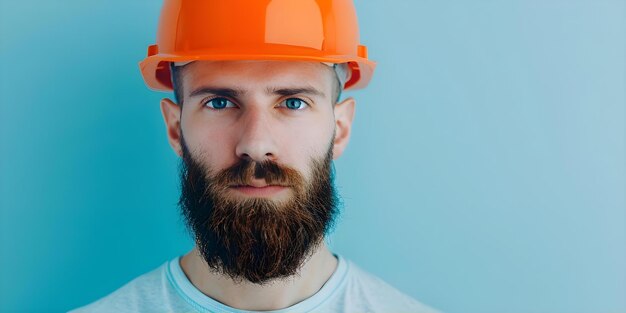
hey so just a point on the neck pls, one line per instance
(280, 294)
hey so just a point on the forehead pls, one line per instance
(258, 74)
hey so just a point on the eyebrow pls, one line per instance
(295, 91)
(225, 92)
(236, 93)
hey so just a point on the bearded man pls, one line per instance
(257, 121)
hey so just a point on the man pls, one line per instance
(257, 122)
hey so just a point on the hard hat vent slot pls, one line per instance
(153, 49)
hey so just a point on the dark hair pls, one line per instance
(178, 88)
(176, 83)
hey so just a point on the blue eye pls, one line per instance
(295, 103)
(219, 103)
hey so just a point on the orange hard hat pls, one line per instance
(299, 30)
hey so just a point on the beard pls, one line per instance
(253, 238)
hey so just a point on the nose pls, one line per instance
(256, 141)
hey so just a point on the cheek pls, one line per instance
(209, 142)
(303, 141)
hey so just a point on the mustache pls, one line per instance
(245, 170)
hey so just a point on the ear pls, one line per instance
(171, 115)
(344, 113)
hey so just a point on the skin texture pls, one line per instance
(257, 125)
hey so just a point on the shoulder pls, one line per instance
(149, 292)
(373, 294)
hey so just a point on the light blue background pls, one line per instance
(486, 171)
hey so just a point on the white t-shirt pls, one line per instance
(167, 289)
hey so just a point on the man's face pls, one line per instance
(257, 139)
(279, 111)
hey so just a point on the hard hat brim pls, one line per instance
(155, 68)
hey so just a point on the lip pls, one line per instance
(263, 191)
